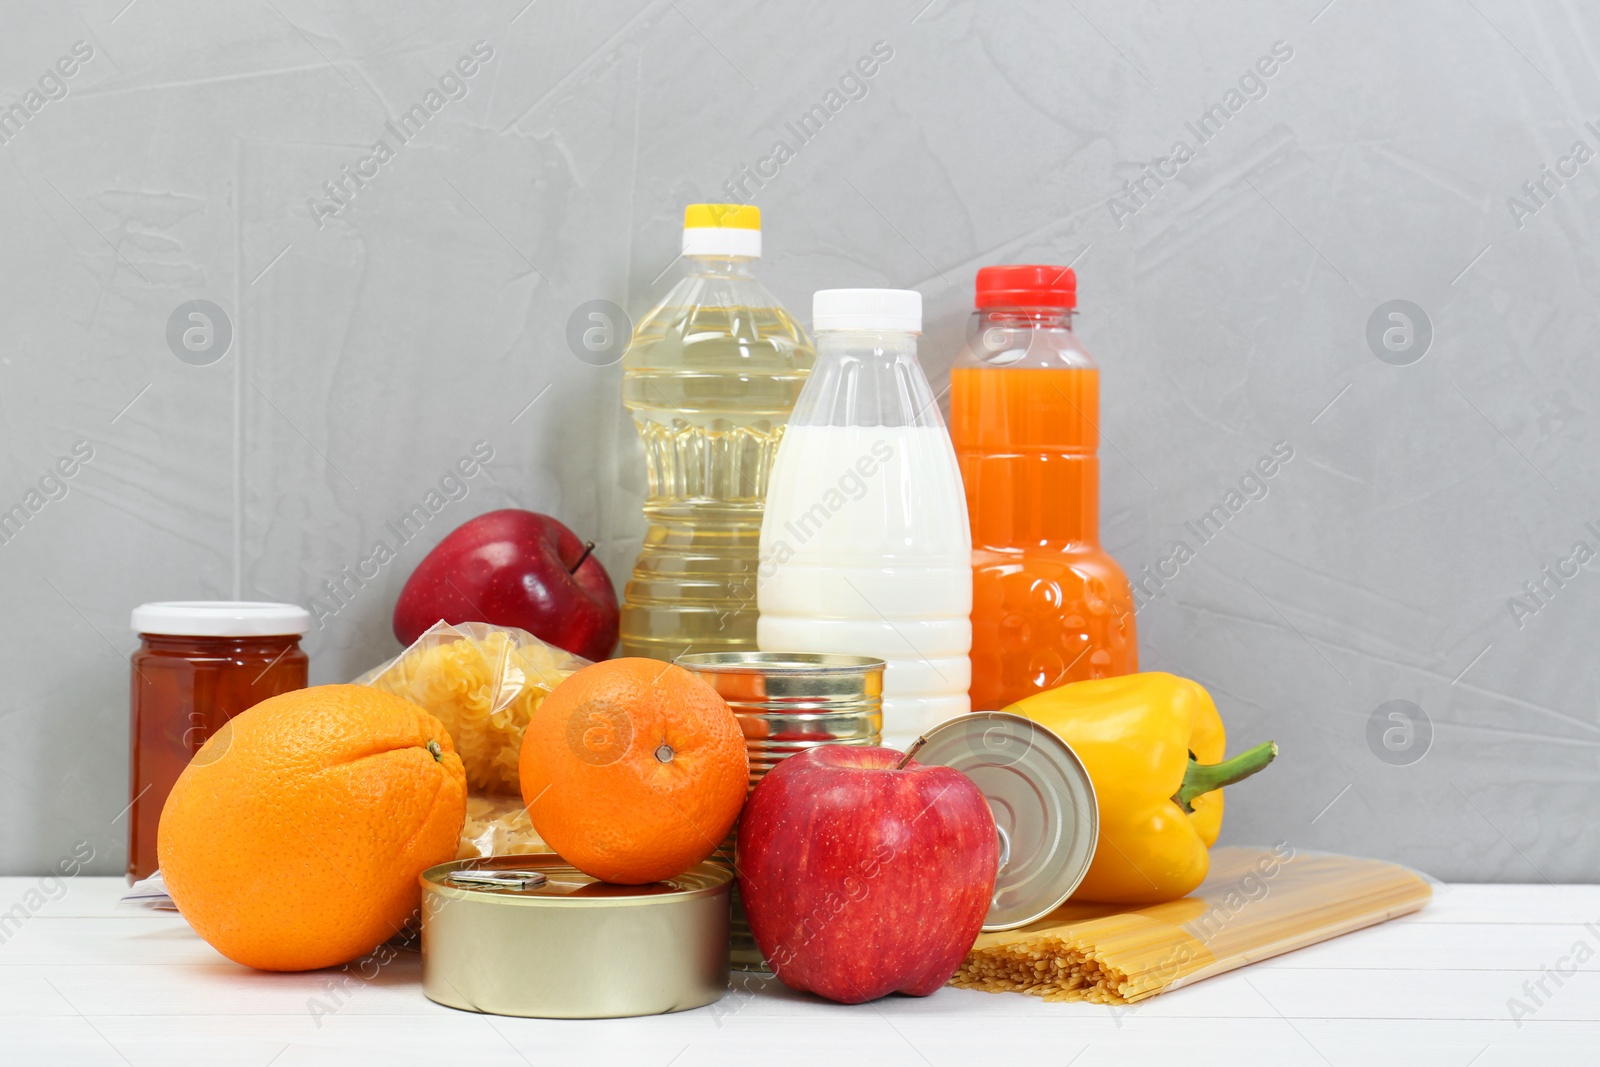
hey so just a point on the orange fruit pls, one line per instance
(633, 770)
(294, 838)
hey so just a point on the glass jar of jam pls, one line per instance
(200, 663)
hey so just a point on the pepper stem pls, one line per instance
(1202, 778)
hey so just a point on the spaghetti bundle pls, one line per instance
(1254, 904)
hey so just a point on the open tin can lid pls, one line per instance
(1043, 804)
(548, 880)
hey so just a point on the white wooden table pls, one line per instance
(84, 982)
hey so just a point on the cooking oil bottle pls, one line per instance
(710, 375)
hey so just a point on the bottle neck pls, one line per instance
(721, 266)
(1017, 317)
(867, 345)
(867, 378)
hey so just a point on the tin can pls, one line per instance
(1043, 803)
(787, 703)
(533, 936)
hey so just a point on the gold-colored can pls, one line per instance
(787, 703)
(533, 936)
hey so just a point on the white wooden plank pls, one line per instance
(60, 897)
(1253, 993)
(24, 993)
(1380, 994)
(1449, 946)
(228, 989)
(1512, 904)
(846, 1036)
(83, 982)
(167, 939)
(119, 939)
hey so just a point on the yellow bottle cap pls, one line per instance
(722, 217)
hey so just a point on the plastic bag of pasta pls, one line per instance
(484, 683)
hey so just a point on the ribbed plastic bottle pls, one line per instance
(1050, 606)
(710, 376)
(865, 548)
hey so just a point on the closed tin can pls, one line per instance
(1043, 802)
(786, 703)
(533, 936)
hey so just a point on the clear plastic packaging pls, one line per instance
(484, 683)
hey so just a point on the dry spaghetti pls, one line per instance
(1254, 904)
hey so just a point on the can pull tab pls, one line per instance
(478, 878)
(1005, 849)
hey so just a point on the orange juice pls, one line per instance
(1050, 606)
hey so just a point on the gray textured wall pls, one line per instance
(1229, 304)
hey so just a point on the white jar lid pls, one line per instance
(897, 310)
(221, 618)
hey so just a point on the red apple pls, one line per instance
(862, 879)
(514, 568)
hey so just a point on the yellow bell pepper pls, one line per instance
(1153, 745)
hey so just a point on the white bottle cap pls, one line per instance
(899, 310)
(221, 618)
(722, 230)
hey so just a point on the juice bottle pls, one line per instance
(1049, 605)
(710, 376)
(865, 548)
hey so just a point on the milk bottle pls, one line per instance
(865, 547)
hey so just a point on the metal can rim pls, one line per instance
(1094, 824)
(764, 662)
(1080, 772)
(435, 880)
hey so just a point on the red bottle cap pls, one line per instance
(1027, 285)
